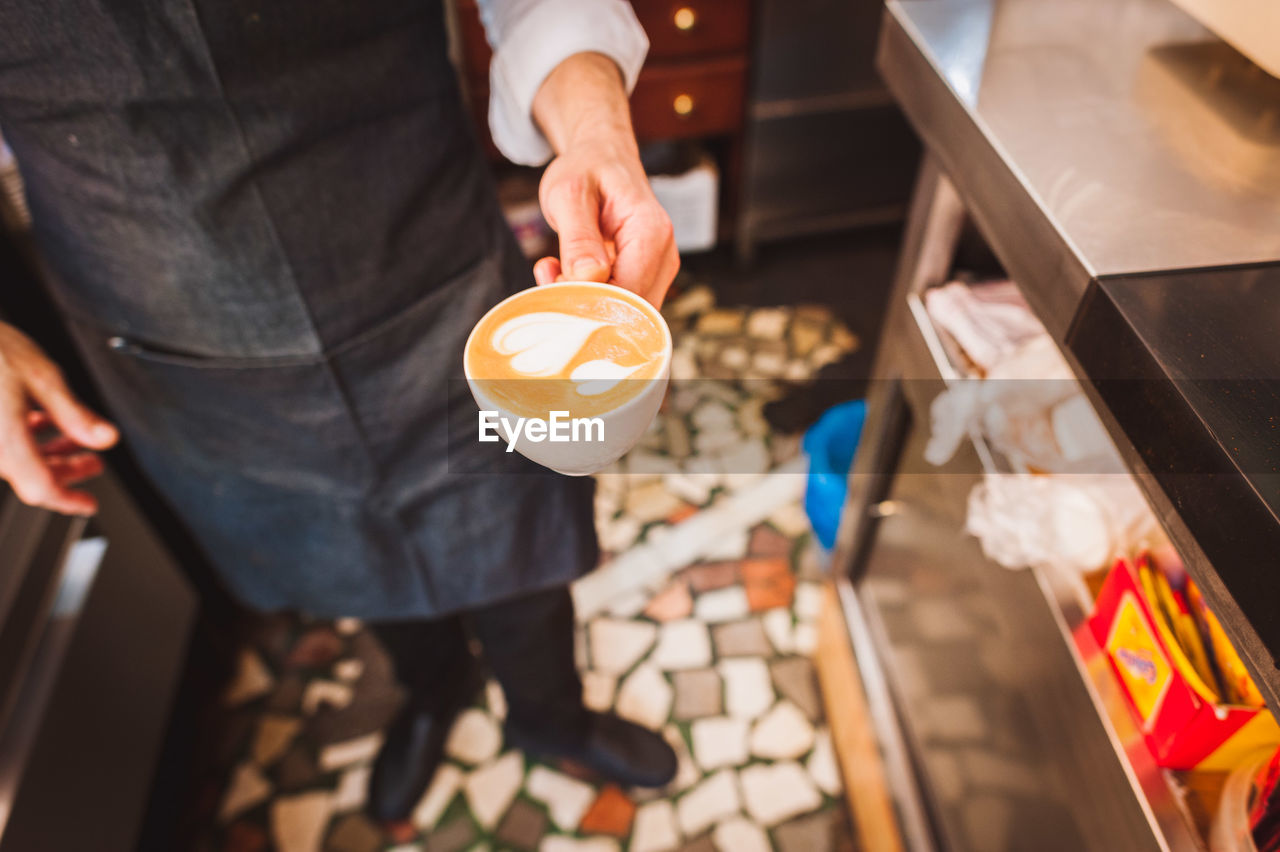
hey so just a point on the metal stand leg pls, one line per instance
(929, 244)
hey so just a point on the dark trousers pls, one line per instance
(528, 644)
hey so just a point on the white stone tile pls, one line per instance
(687, 772)
(654, 829)
(618, 534)
(434, 802)
(349, 670)
(352, 789)
(806, 639)
(348, 626)
(808, 601)
(597, 690)
(474, 738)
(732, 545)
(642, 462)
(247, 788)
(645, 697)
(358, 750)
(617, 645)
(774, 792)
(790, 519)
(560, 843)
(683, 644)
(822, 764)
(784, 733)
(567, 799)
(748, 691)
(713, 415)
(750, 457)
(318, 692)
(727, 604)
(495, 699)
(768, 323)
(252, 680)
(298, 822)
(714, 799)
(692, 487)
(740, 835)
(651, 502)
(779, 628)
(629, 604)
(719, 741)
(491, 788)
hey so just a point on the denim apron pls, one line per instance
(270, 229)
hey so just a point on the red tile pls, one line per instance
(671, 603)
(769, 583)
(245, 837)
(401, 832)
(611, 813)
(688, 510)
(766, 541)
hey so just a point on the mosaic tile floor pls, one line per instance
(699, 623)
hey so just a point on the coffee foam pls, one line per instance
(566, 347)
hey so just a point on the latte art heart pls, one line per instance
(567, 347)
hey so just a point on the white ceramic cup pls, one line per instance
(623, 426)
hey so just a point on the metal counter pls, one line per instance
(1124, 166)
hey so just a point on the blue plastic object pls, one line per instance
(830, 444)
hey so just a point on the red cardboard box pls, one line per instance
(1184, 725)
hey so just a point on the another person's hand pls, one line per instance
(33, 399)
(595, 193)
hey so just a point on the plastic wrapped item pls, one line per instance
(1030, 408)
(1072, 522)
(830, 444)
(1232, 829)
(988, 320)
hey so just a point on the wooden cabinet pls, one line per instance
(694, 81)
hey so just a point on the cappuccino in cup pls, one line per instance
(569, 374)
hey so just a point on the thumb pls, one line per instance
(583, 256)
(70, 415)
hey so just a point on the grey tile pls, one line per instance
(297, 769)
(700, 844)
(812, 833)
(741, 639)
(523, 827)
(699, 693)
(797, 680)
(354, 833)
(452, 837)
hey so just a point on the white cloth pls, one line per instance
(531, 37)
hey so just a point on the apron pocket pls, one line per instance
(279, 421)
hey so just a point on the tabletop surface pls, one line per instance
(1149, 143)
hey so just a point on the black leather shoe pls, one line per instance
(412, 749)
(613, 748)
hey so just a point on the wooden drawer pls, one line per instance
(676, 30)
(681, 29)
(688, 99)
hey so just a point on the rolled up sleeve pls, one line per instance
(529, 39)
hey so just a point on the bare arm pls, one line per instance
(595, 192)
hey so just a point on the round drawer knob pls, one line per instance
(683, 105)
(685, 19)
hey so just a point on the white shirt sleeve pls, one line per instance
(529, 39)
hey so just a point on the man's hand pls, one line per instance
(41, 473)
(595, 193)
